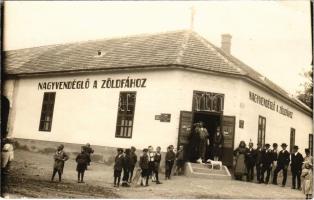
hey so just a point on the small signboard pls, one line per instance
(241, 123)
(163, 117)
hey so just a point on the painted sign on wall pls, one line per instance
(269, 104)
(95, 84)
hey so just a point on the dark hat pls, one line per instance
(267, 145)
(275, 145)
(120, 150)
(295, 147)
(284, 145)
(145, 150)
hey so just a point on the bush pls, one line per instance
(47, 150)
(97, 158)
(109, 161)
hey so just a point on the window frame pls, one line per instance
(50, 103)
(118, 126)
(292, 139)
(261, 127)
(311, 143)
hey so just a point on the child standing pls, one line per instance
(60, 157)
(180, 161)
(118, 165)
(133, 160)
(307, 174)
(157, 164)
(170, 157)
(151, 163)
(126, 168)
(82, 160)
(144, 167)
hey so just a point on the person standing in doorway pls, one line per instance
(59, 157)
(133, 160)
(296, 168)
(282, 164)
(218, 144)
(240, 168)
(204, 141)
(258, 162)
(250, 161)
(267, 159)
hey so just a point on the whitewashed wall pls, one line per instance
(89, 115)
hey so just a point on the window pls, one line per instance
(125, 117)
(311, 143)
(292, 138)
(208, 101)
(261, 130)
(47, 111)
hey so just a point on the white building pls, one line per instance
(147, 90)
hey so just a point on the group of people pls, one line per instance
(149, 165)
(205, 145)
(271, 161)
(83, 160)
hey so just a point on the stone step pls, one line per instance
(203, 171)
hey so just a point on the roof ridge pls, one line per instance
(102, 39)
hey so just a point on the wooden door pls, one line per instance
(228, 126)
(185, 128)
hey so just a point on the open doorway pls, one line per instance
(210, 121)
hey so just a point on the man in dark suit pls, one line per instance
(282, 164)
(296, 167)
(258, 162)
(250, 158)
(267, 159)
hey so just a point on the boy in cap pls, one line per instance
(133, 160)
(82, 160)
(59, 157)
(170, 157)
(282, 164)
(157, 164)
(296, 167)
(144, 160)
(267, 159)
(118, 166)
(126, 168)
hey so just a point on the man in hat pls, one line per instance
(258, 161)
(296, 167)
(275, 152)
(203, 142)
(88, 150)
(60, 157)
(282, 164)
(267, 159)
(250, 158)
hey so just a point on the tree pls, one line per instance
(306, 94)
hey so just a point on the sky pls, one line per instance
(273, 37)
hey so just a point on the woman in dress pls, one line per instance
(307, 174)
(240, 168)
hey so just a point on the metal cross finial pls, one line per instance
(192, 17)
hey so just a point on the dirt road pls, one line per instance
(30, 177)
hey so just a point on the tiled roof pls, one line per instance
(183, 48)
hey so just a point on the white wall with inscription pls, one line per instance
(89, 114)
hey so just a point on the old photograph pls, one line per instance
(157, 99)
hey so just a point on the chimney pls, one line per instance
(226, 43)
